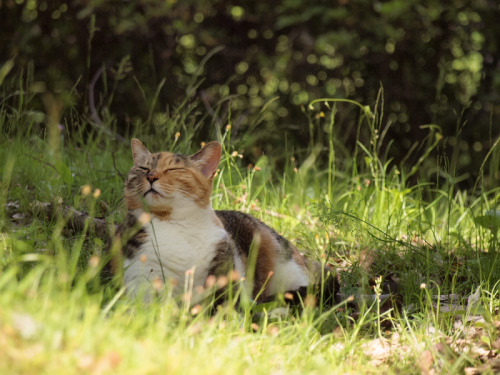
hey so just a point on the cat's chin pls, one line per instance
(154, 199)
(152, 193)
(160, 200)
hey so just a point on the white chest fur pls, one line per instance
(174, 247)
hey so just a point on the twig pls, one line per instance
(75, 219)
(208, 107)
(94, 116)
(42, 161)
(116, 168)
(93, 112)
(388, 238)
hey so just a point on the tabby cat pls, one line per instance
(175, 236)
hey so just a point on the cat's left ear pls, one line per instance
(208, 158)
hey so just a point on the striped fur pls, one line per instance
(178, 238)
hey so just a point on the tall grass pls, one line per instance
(356, 211)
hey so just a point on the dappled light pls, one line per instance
(316, 188)
(436, 63)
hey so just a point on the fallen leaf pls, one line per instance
(425, 362)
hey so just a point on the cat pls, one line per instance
(172, 234)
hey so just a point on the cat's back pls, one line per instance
(278, 264)
(243, 228)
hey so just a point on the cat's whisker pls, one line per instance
(187, 193)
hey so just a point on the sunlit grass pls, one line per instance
(56, 317)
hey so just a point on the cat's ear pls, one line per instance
(208, 158)
(139, 152)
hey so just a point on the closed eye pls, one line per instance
(172, 169)
(144, 168)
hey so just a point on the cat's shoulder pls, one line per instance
(240, 222)
(237, 218)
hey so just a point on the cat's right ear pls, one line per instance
(208, 158)
(139, 152)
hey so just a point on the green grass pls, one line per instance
(354, 211)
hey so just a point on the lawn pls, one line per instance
(435, 246)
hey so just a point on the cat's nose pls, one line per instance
(152, 177)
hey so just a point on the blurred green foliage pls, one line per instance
(438, 63)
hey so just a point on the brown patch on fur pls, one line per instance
(162, 214)
(133, 204)
(222, 263)
(247, 232)
(264, 267)
(298, 257)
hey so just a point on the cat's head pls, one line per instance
(160, 182)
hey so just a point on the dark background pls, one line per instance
(437, 62)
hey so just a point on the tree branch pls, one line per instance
(75, 219)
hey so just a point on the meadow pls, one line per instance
(436, 245)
